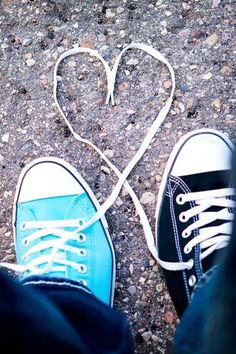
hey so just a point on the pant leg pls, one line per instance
(209, 324)
(189, 335)
(47, 315)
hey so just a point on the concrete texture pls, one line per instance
(197, 37)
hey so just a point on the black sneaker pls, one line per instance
(194, 211)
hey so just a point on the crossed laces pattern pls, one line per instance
(209, 237)
(203, 201)
(122, 181)
(64, 236)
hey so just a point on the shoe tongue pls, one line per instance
(51, 208)
(55, 208)
(210, 181)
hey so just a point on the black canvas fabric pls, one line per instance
(169, 229)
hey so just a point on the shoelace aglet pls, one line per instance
(110, 96)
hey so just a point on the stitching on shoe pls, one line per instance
(170, 191)
(45, 282)
(176, 236)
(186, 189)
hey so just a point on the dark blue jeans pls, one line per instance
(57, 316)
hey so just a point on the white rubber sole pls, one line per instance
(86, 187)
(171, 160)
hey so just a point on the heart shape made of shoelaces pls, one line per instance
(122, 181)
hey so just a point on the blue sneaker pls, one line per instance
(52, 203)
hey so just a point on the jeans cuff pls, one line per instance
(206, 277)
(54, 283)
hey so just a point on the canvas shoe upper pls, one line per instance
(52, 203)
(194, 211)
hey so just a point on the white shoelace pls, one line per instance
(64, 236)
(210, 238)
(54, 247)
(111, 77)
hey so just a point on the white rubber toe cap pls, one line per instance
(202, 152)
(45, 178)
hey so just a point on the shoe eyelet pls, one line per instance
(186, 233)
(82, 237)
(83, 268)
(23, 226)
(191, 264)
(83, 252)
(25, 258)
(180, 199)
(192, 280)
(187, 249)
(81, 222)
(25, 242)
(182, 217)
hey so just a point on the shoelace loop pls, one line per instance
(55, 247)
(210, 238)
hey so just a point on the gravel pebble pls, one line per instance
(26, 42)
(212, 39)
(146, 336)
(5, 138)
(147, 197)
(132, 62)
(132, 289)
(216, 104)
(30, 62)
(207, 76)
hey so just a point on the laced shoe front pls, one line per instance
(195, 211)
(52, 203)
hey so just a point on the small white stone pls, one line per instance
(131, 112)
(168, 125)
(72, 64)
(207, 76)
(105, 169)
(186, 6)
(131, 268)
(30, 62)
(109, 14)
(28, 56)
(4, 45)
(109, 153)
(5, 138)
(181, 107)
(146, 336)
(118, 202)
(147, 198)
(216, 3)
(51, 115)
(120, 10)
(122, 34)
(142, 280)
(168, 13)
(212, 39)
(129, 127)
(26, 42)
(7, 194)
(164, 32)
(163, 23)
(132, 62)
